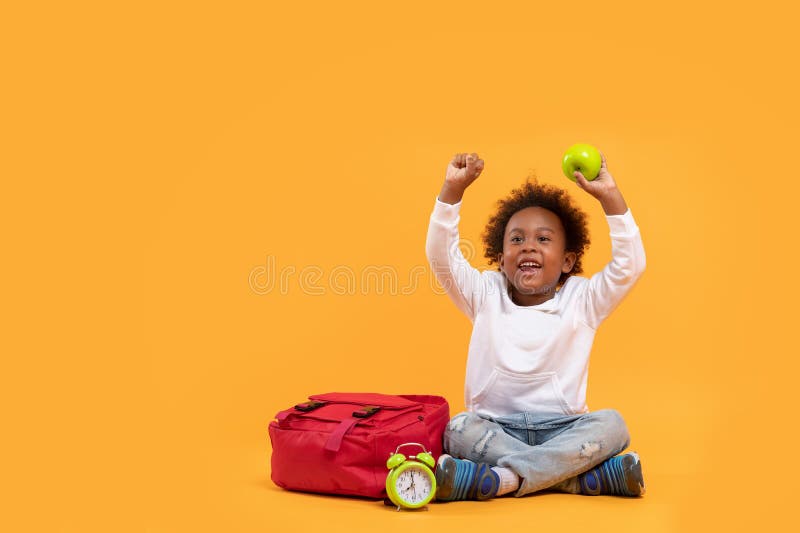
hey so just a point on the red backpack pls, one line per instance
(338, 443)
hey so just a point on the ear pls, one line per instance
(569, 261)
(500, 259)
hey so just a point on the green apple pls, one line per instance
(584, 158)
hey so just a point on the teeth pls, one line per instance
(529, 264)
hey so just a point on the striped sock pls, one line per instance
(460, 479)
(620, 476)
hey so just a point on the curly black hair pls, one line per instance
(552, 198)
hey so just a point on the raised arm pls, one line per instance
(462, 283)
(607, 288)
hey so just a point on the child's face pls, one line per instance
(534, 234)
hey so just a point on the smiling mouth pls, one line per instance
(529, 267)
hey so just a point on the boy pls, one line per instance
(527, 427)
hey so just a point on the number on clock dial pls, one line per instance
(413, 485)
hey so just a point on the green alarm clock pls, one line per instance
(411, 483)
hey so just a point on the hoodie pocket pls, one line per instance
(508, 392)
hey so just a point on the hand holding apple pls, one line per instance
(601, 185)
(604, 189)
(583, 158)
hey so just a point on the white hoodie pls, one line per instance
(530, 358)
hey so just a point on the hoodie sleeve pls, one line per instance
(464, 284)
(607, 288)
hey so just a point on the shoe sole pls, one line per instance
(445, 478)
(632, 467)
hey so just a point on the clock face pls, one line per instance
(414, 485)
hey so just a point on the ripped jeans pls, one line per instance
(545, 451)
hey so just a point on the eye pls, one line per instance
(516, 239)
(544, 238)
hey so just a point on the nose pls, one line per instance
(529, 245)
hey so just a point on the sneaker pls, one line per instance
(461, 479)
(633, 474)
(620, 476)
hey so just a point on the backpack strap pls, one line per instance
(335, 440)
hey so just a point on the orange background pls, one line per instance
(155, 157)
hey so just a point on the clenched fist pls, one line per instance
(461, 172)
